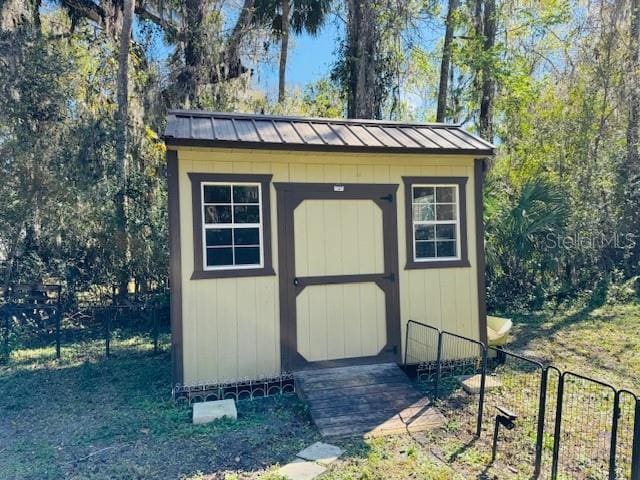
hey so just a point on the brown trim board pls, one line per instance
(408, 201)
(196, 202)
(289, 196)
(478, 178)
(175, 266)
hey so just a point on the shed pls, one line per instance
(305, 242)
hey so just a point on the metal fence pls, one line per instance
(35, 318)
(560, 424)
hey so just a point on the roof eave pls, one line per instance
(192, 142)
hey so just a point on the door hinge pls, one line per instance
(388, 198)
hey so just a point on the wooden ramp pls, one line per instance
(368, 400)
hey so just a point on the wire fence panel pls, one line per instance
(422, 352)
(623, 454)
(461, 376)
(516, 384)
(553, 376)
(583, 430)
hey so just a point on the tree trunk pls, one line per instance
(364, 96)
(488, 82)
(633, 128)
(195, 55)
(122, 115)
(446, 61)
(284, 50)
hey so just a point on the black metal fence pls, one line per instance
(36, 318)
(558, 424)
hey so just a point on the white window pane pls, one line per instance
(245, 194)
(217, 194)
(445, 194)
(446, 249)
(219, 257)
(423, 195)
(446, 212)
(446, 232)
(218, 237)
(423, 212)
(425, 250)
(425, 232)
(217, 214)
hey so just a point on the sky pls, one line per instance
(310, 59)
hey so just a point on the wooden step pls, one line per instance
(366, 400)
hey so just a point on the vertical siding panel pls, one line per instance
(335, 322)
(365, 173)
(247, 312)
(348, 174)
(267, 323)
(227, 316)
(303, 316)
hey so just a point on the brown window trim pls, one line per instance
(196, 196)
(408, 201)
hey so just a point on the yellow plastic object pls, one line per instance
(498, 329)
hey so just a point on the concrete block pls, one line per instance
(301, 470)
(320, 452)
(471, 383)
(205, 412)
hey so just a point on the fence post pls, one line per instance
(542, 411)
(154, 313)
(635, 451)
(5, 337)
(557, 429)
(483, 375)
(438, 365)
(107, 326)
(614, 436)
(406, 343)
(57, 316)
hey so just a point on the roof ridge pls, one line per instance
(349, 121)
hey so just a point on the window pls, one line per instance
(436, 222)
(231, 225)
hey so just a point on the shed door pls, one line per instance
(338, 247)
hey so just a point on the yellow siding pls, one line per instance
(340, 321)
(338, 237)
(231, 326)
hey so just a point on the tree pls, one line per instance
(488, 82)
(284, 15)
(447, 49)
(121, 134)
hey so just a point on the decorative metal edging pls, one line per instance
(238, 389)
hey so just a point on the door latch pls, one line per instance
(296, 282)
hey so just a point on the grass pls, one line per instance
(89, 417)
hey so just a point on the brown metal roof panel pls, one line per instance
(224, 129)
(399, 136)
(364, 136)
(328, 134)
(429, 134)
(307, 133)
(345, 133)
(468, 138)
(182, 127)
(202, 128)
(267, 131)
(287, 132)
(458, 141)
(246, 130)
(416, 137)
(383, 137)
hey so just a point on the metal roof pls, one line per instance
(237, 130)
